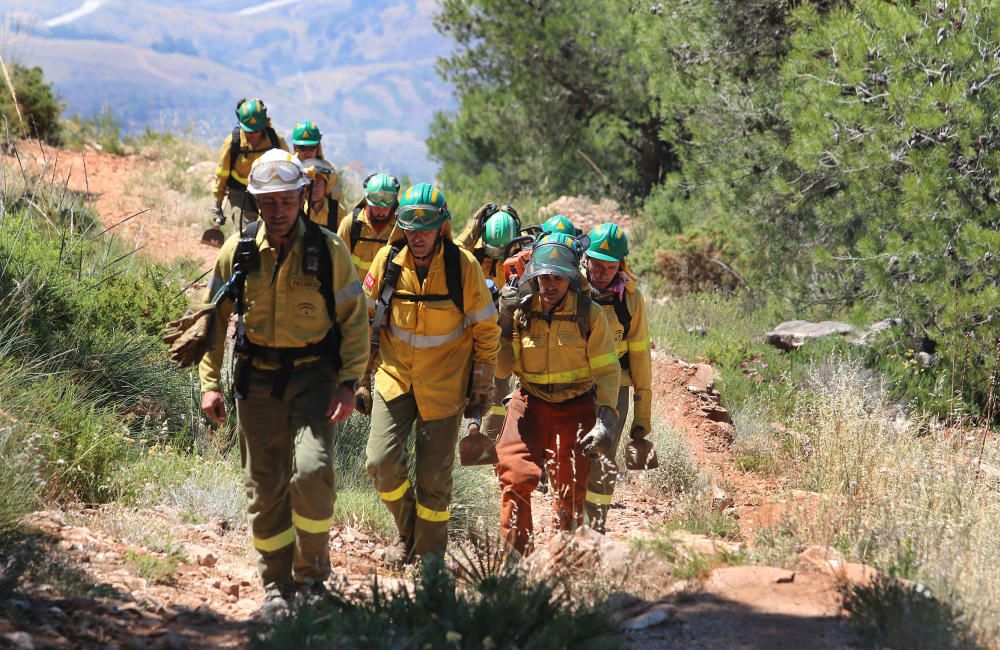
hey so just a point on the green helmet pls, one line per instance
(306, 134)
(554, 254)
(608, 242)
(559, 223)
(423, 207)
(252, 115)
(501, 229)
(381, 190)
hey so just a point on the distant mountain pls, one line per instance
(363, 70)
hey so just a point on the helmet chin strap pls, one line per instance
(437, 242)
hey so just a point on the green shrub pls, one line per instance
(502, 610)
(38, 103)
(892, 614)
(103, 129)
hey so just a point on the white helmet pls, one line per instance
(276, 171)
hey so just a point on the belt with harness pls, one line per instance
(316, 261)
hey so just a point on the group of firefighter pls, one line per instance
(536, 335)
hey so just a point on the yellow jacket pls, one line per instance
(553, 361)
(322, 217)
(371, 241)
(429, 346)
(639, 374)
(241, 170)
(290, 311)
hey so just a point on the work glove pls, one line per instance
(506, 306)
(218, 216)
(482, 214)
(598, 440)
(643, 406)
(480, 388)
(189, 336)
(363, 397)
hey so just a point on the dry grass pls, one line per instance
(899, 493)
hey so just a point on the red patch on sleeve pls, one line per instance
(369, 281)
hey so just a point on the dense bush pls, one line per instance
(39, 105)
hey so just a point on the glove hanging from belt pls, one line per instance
(189, 337)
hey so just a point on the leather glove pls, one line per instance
(477, 405)
(643, 408)
(638, 433)
(218, 216)
(506, 307)
(483, 213)
(363, 398)
(598, 440)
(480, 389)
(189, 337)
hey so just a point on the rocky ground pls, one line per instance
(198, 586)
(210, 593)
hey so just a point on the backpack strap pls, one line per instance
(332, 205)
(582, 315)
(355, 227)
(583, 302)
(453, 273)
(272, 135)
(623, 314)
(390, 278)
(234, 151)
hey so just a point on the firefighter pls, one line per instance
(372, 220)
(435, 336)
(319, 205)
(615, 288)
(301, 345)
(307, 143)
(557, 342)
(249, 140)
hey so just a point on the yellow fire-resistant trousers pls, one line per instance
(286, 449)
(422, 515)
(604, 472)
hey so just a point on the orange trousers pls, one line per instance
(536, 431)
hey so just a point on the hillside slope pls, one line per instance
(363, 71)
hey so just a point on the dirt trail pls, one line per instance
(120, 186)
(210, 597)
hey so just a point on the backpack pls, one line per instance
(316, 260)
(355, 234)
(582, 315)
(234, 151)
(624, 317)
(452, 276)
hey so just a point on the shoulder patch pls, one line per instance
(369, 281)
